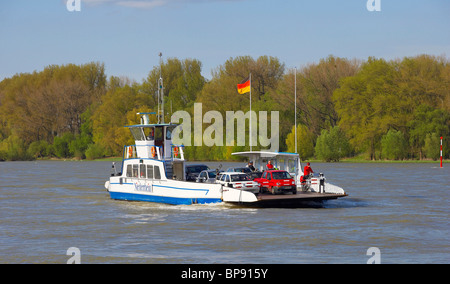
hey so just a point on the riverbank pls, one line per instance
(344, 160)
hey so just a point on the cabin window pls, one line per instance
(142, 171)
(135, 171)
(137, 133)
(227, 179)
(129, 171)
(149, 133)
(158, 133)
(291, 165)
(157, 172)
(169, 131)
(150, 172)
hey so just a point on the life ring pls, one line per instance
(176, 151)
(130, 151)
(153, 150)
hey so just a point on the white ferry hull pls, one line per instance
(169, 192)
(175, 192)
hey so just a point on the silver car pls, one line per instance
(239, 181)
(207, 176)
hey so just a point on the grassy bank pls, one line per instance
(345, 160)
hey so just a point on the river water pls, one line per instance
(47, 207)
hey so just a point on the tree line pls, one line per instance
(375, 109)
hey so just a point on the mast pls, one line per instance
(295, 108)
(250, 128)
(160, 91)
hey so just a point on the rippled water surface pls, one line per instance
(47, 207)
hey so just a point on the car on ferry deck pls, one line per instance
(277, 182)
(192, 171)
(207, 176)
(239, 181)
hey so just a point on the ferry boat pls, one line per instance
(153, 170)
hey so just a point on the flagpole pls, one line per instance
(295, 107)
(250, 112)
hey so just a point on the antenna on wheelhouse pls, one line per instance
(160, 92)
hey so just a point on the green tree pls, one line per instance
(394, 146)
(94, 151)
(427, 120)
(38, 149)
(367, 105)
(423, 80)
(332, 145)
(42, 105)
(432, 146)
(109, 119)
(315, 86)
(305, 142)
(61, 145)
(13, 149)
(182, 82)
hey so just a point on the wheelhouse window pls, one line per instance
(135, 171)
(142, 171)
(157, 172)
(129, 171)
(149, 172)
(169, 131)
(158, 133)
(149, 133)
(137, 133)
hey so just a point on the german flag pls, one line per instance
(244, 86)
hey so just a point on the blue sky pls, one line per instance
(128, 35)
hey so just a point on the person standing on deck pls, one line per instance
(269, 165)
(250, 166)
(308, 170)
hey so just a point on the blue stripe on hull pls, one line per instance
(162, 199)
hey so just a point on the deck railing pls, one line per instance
(177, 152)
(153, 152)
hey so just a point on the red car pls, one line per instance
(277, 182)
